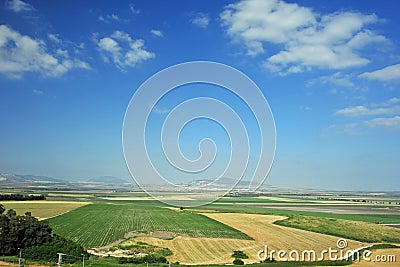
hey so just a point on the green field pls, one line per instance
(361, 231)
(371, 218)
(100, 224)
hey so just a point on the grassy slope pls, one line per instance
(361, 231)
(99, 224)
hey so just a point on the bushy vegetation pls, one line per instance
(150, 258)
(106, 223)
(48, 251)
(141, 247)
(21, 231)
(34, 238)
(238, 254)
(238, 262)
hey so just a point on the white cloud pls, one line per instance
(20, 54)
(365, 111)
(122, 50)
(391, 101)
(393, 122)
(37, 92)
(109, 18)
(201, 20)
(377, 110)
(337, 78)
(54, 37)
(390, 73)
(305, 39)
(18, 6)
(133, 9)
(157, 33)
(306, 108)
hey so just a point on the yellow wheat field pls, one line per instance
(260, 227)
(43, 209)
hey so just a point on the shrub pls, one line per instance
(238, 262)
(239, 255)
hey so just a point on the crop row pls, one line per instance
(100, 224)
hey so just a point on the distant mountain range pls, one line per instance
(7, 178)
(16, 178)
(220, 181)
(109, 180)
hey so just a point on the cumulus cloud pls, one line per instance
(201, 20)
(390, 73)
(393, 122)
(338, 78)
(157, 33)
(122, 50)
(385, 114)
(21, 53)
(18, 6)
(305, 39)
(366, 111)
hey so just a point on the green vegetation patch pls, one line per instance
(240, 208)
(100, 224)
(361, 231)
(238, 254)
(141, 247)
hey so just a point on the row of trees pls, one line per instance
(21, 197)
(34, 238)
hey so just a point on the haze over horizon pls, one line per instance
(329, 70)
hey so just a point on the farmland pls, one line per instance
(99, 224)
(365, 232)
(209, 234)
(43, 209)
(262, 230)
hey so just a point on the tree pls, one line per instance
(21, 231)
(2, 209)
(238, 262)
(11, 213)
(238, 254)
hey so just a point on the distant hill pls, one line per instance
(222, 181)
(109, 180)
(16, 178)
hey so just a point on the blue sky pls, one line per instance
(330, 71)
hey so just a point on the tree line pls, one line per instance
(21, 197)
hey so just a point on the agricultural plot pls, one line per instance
(276, 210)
(99, 224)
(43, 209)
(362, 231)
(188, 250)
(260, 227)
